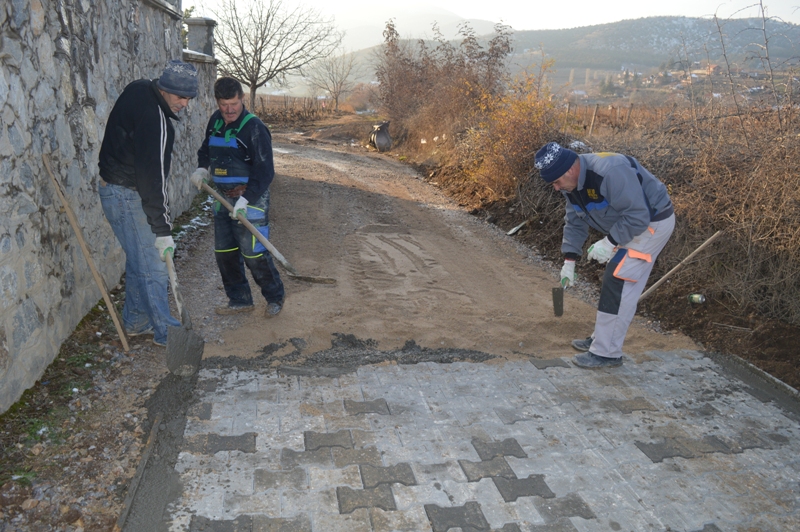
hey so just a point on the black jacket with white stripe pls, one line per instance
(137, 149)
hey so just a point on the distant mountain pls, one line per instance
(644, 43)
(653, 41)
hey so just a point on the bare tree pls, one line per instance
(332, 74)
(259, 41)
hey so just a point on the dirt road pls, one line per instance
(409, 265)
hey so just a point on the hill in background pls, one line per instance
(654, 41)
(645, 44)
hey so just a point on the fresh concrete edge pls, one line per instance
(775, 389)
(151, 440)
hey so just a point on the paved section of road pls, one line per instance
(669, 442)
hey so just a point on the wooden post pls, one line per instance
(628, 117)
(566, 118)
(594, 115)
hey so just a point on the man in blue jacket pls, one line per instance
(134, 164)
(615, 195)
(237, 151)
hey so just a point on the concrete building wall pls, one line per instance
(63, 63)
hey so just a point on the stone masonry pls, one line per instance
(63, 63)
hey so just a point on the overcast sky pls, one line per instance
(533, 15)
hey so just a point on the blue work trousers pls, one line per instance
(235, 246)
(146, 278)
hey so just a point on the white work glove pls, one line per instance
(568, 273)
(164, 245)
(239, 208)
(199, 177)
(601, 251)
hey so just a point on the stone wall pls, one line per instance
(63, 63)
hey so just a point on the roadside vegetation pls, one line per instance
(727, 153)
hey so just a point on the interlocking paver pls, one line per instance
(549, 363)
(345, 457)
(571, 505)
(214, 443)
(400, 473)
(319, 478)
(468, 518)
(378, 497)
(291, 458)
(512, 489)
(667, 442)
(496, 467)
(411, 520)
(378, 406)
(265, 479)
(490, 449)
(627, 406)
(316, 440)
(316, 503)
(358, 521)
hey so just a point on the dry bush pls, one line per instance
(498, 150)
(729, 164)
(430, 91)
(734, 171)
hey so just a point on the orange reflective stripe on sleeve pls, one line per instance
(652, 231)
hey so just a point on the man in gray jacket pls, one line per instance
(615, 195)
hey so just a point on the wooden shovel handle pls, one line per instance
(681, 263)
(261, 238)
(73, 221)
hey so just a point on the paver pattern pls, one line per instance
(670, 443)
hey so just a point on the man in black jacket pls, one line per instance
(134, 164)
(238, 151)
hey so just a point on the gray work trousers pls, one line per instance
(623, 282)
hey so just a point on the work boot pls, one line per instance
(582, 345)
(233, 309)
(144, 332)
(273, 309)
(591, 361)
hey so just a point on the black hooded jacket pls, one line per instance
(137, 149)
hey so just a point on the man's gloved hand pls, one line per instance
(601, 251)
(199, 177)
(164, 245)
(568, 273)
(239, 208)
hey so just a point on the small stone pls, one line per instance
(29, 504)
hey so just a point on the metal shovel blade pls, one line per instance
(184, 346)
(558, 300)
(184, 351)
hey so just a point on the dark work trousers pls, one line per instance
(235, 246)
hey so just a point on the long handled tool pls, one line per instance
(267, 244)
(681, 264)
(73, 221)
(184, 346)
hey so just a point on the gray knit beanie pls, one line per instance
(179, 78)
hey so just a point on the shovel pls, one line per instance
(267, 244)
(184, 346)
